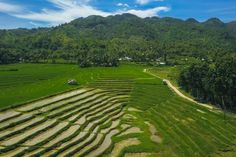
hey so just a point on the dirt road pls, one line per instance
(176, 90)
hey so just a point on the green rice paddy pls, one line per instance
(112, 112)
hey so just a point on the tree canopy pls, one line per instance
(97, 40)
(212, 82)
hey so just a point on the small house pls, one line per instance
(72, 82)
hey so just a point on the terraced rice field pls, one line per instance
(71, 124)
(120, 115)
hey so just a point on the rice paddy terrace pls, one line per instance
(117, 115)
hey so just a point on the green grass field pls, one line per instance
(115, 112)
(170, 73)
(33, 81)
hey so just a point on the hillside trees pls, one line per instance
(97, 53)
(212, 82)
(118, 36)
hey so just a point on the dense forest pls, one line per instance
(213, 82)
(97, 40)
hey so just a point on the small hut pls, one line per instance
(72, 82)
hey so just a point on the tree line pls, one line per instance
(213, 82)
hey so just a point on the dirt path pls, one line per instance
(176, 90)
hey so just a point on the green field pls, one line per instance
(33, 81)
(114, 112)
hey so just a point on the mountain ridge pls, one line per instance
(132, 15)
(121, 35)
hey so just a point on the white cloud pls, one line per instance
(143, 2)
(64, 15)
(148, 12)
(35, 24)
(9, 8)
(69, 10)
(123, 5)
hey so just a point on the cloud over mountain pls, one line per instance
(68, 10)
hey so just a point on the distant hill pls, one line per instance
(119, 36)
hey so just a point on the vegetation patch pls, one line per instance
(127, 112)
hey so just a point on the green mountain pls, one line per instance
(105, 39)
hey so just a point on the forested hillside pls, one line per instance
(99, 40)
(213, 82)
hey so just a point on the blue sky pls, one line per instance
(45, 13)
